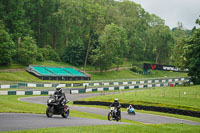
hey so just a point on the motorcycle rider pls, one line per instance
(130, 106)
(61, 96)
(117, 105)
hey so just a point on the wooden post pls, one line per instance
(164, 93)
(19, 41)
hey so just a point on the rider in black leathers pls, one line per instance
(117, 105)
(61, 96)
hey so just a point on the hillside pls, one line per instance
(18, 73)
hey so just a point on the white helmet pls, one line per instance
(58, 88)
(116, 100)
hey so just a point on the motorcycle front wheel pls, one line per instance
(49, 112)
(65, 114)
(110, 116)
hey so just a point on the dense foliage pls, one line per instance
(27, 51)
(6, 46)
(98, 32)
(81, 24)
(192, 55)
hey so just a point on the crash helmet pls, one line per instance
(58, 88)
(116, 100)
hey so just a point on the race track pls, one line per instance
(23, 121)
(140, 117)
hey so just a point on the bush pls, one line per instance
(27, 52)
(74, 53)
(47, 54)
(136, 69)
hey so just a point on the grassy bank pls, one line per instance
(174, 97)
(127, 74)
(23, 76)
(148, 128)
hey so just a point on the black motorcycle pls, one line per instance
(55, 108)
(113, 115)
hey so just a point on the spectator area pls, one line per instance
(57, 73)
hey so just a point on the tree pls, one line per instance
(27, 52)
(93, 23)
(192, 55)
(7, 46)
(113, 45)
(120, 45)
(47, 53)
(74, 53)
(13, 14)
(180, 42)
(100, 59)
(162, 39)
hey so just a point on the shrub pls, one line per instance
(136, 69)
(27, 52)
(47, 54)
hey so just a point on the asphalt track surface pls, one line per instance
(139, 117)
(23, 121)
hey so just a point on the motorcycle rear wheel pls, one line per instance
(49, 112)
(118, 118)
(110, 116)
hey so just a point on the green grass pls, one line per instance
(131, 128)
(173, 97)
(23, 76)
(11, 104)
(12, 66)
(53, 63)
(127, 74)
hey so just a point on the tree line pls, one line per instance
(80, 32)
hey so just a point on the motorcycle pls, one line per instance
(55, 108)
(131, 110)
(113, 115)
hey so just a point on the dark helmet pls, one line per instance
(58, 88)
(116, 100)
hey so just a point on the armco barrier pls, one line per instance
(143, 107)
(144, 81)
(122, 87)
(26, 92)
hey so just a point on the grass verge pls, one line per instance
(134, 128)
(183, 97)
